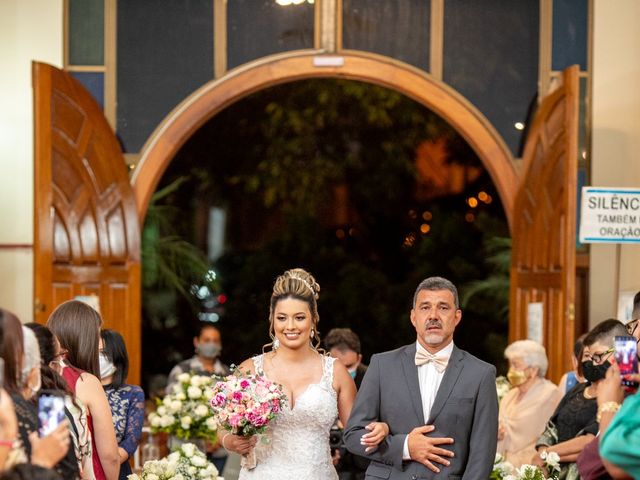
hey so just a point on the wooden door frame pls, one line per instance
(211, 98)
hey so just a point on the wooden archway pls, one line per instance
(216, 95)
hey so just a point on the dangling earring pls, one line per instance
(311, 333)
(276, 344)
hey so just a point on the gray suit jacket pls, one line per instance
(465, 409)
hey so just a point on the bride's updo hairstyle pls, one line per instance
(299, 284)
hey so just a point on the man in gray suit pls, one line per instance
(431, 379)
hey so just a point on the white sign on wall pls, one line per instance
(534, 321)
(610, 215)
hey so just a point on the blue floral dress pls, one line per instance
(127, 408)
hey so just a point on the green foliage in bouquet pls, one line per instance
(185, 412)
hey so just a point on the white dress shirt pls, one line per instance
(429, 379)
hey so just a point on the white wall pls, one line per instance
(29, 30)
(615, 141)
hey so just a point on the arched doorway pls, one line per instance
(203, 104)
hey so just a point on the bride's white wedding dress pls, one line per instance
(297, 442)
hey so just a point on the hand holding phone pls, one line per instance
(50, 412)
(626, 348)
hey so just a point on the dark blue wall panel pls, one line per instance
(165, 52)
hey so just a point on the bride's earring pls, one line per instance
(311, 333)
(275, 344)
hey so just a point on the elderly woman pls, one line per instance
(525, 410)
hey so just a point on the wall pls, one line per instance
(29, 29)
(615, 142)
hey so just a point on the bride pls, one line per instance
(319, 390)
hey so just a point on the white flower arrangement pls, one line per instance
(551, 462)
(185, 412)
(186, 463)
(503, 470)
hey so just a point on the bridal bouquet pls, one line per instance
(185, 412)
(186, 463)
(245, 404)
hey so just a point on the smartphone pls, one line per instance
(627, 359)
(50, 412)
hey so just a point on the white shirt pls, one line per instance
(429, 379)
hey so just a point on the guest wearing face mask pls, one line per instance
(344, 344)
(206, 361)
(525, 410)
(574, 424)
(126, 401)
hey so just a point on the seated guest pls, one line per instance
(572, 378)
(126, 401)
(525, 409)
(574, 423)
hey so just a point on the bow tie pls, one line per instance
(423, 357)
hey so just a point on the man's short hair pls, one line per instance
(604, 332)
(342, 339)
(201, 326)
(437, 283)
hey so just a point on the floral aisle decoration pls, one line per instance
(245, 404)
(185, 412)
(186, 463)
(503, 470)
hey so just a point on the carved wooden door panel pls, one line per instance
(86, 235)
(544, 234)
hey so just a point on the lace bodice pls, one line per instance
(296, 445)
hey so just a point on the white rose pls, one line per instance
(211, 423)
(175, 405)
(152, 476)
(167, 400)
(192, 470)
(155, 420)
(176, 389)
(199, 461)
(201, 410)
(133, 476)
(181, 396)
(183, 377)
(196, 381)
(162, 410)
(194, 392)
(208, 393)
(188, 449)
(166, 421)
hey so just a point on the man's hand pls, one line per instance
(426, 449)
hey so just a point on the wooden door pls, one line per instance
(86, 233)
(544, 233)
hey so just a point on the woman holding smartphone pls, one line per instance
(77, 327)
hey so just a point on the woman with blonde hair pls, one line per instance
(525, 410)
(319, 389)
(76, 325)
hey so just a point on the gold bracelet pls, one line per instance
(607, 407)
(222, 441)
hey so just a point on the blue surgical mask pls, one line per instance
(353, 372)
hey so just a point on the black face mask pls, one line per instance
(592, 372)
